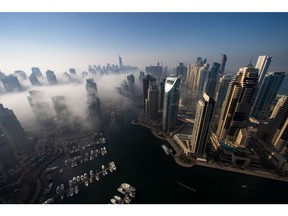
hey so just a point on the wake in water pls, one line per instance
(185, 186)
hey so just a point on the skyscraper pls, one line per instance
(34, 80)
(148, 78)
(20, 74)
(61, 109)
(52, 80)
(238, 103)
(203, 78)
(266, 94)
(36, 71)
(120, 61)
(200, 133)
(151, 102)
(262, 64)
(212, 79)
(7, 156)
(41, 109)
(170, 105)
(94, 105)
(12, 129)
(11, 83)
(181, 71)
(223, 64)
(72, 71)
(155, 71)
(271, 132)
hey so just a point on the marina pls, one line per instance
(75, 183)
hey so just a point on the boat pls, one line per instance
(74, 180)
(132, 194)
(82, 178)
(128, 187)
(70, 183)
(91, 180)
(113, 201)
(119, 199)
(48, 189)
(91, 173)
(97, 177)
(244, 186)
(87, 183)
(127, 199)
(166, 149)
(78, 179)
(58, 190)
(48, 201)
(102, 167)
(85, 176)
(71, 191)
(61, 170)
(76, 188)
(121, 190)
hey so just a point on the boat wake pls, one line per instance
(185, 186)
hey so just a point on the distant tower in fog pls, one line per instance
(262, 64)
(51, 77)
(36, 71)
(120, 61)
(170, 105)
(40, 109)
(11, 83)
(148, 78)
(200, 133)
(238, 103)
(72, 71)
(94, 105)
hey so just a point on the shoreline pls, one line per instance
(209, 164)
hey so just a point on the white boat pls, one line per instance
(49, 187)
(85, 176)
(91, 180)
(119, 199)
(102, 167)
(82, 178)
(132, 194)
(113, 201)
(74, 180)
(97, 177)
(121, 190)
(128, 187)
(70, 183)
(244, 186)
(48, 201)
(91, 173)
(76, 188)
(58, 190)
(127, 199)
(71, 191)
(87, 183)
(61, 170)
(78, 179)
(166, 149)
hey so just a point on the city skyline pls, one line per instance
(59, 41)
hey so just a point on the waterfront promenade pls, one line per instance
(184, 161)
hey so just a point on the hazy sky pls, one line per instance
(59, 41)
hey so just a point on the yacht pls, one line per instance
(74, 180)
(97, 177)
(132, 193)
(128, 187)
(58, 190)
(166, 149)
(71, 191)
(61, 170)
(119, 199)
(113, 201)
(82, 178)
(91, 173)
(48, 201)
(127, 199)
(78, 179)
(85, 176)
(121, 190)
(70, 183)
(91, 180)
(87, 183)
(76, 188)
(49, 187)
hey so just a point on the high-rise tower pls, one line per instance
(52, 80)
(266, 94)
(262, 64)
(200, 133)
(151, 103)
(170, 105)
(212, 79)
(223, 64)
(12, 129)
(238, 103)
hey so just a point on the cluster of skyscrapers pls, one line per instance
(229, 113)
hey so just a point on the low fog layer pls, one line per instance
(75, 97)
